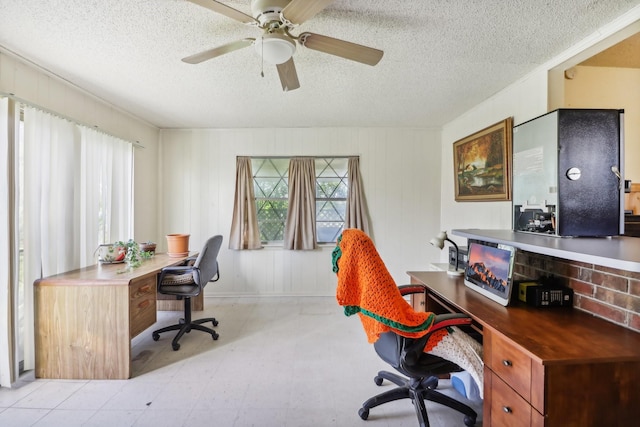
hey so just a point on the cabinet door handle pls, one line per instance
(507, 363)
(506, 409)
(144, 304)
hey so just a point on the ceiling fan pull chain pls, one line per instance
(262, 57)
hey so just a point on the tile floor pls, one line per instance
(295, 361)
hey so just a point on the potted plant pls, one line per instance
(147, 247)
(134, 255)
(110, 253)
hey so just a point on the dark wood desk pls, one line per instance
(85, 319)
(546, 366)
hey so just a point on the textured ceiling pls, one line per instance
(441, 57)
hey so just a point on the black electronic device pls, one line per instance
(463, 257)
(549, 296)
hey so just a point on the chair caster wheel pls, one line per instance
(469, 421)
(378, 380)
(175, 346)
(364, 413)
(215, 336)
(215, 322)
(155, 336)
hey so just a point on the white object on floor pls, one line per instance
(464, 384)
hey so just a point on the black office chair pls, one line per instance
(399, 333)
(422, 369)
(188, 281)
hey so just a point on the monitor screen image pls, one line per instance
(490, 270)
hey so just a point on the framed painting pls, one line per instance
(481, 164)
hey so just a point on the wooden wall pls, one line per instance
(401, 177)
(632, 199)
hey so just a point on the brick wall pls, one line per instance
(611, 294)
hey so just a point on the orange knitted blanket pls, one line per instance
(365, 287)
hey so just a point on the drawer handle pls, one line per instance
(507, 363)
(144, 289)
(507, 410)
(144, 304)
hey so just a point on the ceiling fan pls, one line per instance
(276, 45)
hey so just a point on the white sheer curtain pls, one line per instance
(357, 215)
(300, 225)
(77, 182)
(50, 170)
(105, 191)
(8, 248)
(244, 226)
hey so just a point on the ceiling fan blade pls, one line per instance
(217, 51)
(288, 75)
(299, 11)
(225, 10)
(347, 50)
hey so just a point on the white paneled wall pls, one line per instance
(401, 174)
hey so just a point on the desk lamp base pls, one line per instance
(451, 272)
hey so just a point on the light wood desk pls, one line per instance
(85, 319)
(545, 366)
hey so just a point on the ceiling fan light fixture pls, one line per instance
(275, 48)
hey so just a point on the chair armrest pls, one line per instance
(177, 269)
(190, 260)
(180, 269)
(450, 319)
(216, 277)
(412, 289)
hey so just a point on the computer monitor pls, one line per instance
(490, 270)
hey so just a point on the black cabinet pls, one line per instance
(567, 173)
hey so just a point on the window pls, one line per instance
(81, 180)
(271, 188)
(332, 188)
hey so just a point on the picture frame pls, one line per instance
(482, 164)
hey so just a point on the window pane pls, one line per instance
(332, 167)
(271, 215)
(331, 187)
(330, 210)
(328, 232)
(270, 167)
(331, 197)
(271, 187)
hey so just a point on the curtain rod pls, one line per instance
(62, 116)
(289, 157)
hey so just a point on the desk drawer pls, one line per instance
(142, 305)
(511, 364)
(509, 409)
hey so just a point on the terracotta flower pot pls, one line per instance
(178, 245)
